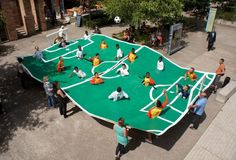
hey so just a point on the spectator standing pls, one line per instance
(220, 71)
(48, 87)
(198, 109)
(121, 136)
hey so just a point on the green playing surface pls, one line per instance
(93, 99)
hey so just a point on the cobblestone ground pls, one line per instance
(31, 131)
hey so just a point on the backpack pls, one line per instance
(226, 81)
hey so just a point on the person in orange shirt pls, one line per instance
(157, 109)
(96, 79)
(190, 74)
(220, 71)
(148, 81)
(103, 45)
(60, 65)
(132, 55)
(96, 60)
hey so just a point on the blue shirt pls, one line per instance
(201, 104)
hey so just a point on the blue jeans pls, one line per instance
(51, 102)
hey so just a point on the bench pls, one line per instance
(225, 93)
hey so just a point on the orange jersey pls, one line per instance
(103, 46)
(220, 70)
(156, 111)
(191, 76)
(60, 66)
(148, 81)
(131, 57)
(96, 61)
(96, 80)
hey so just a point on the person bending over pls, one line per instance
(157, 109)
(96, 60)
(132, 56)
(96, 79)
(184, 90)
(123, 71)
(148, 81)
(103, 45)
(78, 72)
(60, 65)
(118, 95)
(190, 74)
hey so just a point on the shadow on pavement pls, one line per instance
(22, 107)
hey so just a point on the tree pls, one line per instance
(136, 11)
(2, 21)
(198, 7)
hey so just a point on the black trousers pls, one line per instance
(62, 106)
(196, 120)
(210, 45)
(120, 148)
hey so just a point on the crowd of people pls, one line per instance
(56, 94)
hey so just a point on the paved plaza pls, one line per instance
(31, 131)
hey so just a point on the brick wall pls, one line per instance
(39, 5)
(7, 6)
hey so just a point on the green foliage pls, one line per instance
(136, 11)
(2, 20)
(198, 7)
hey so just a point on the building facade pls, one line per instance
(22, 17)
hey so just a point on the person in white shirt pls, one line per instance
(61, 32)
(119, 53)
(78, 72)
(160, 64)
(86, 35)
(79, 53)
(123, 71)
(118, 95)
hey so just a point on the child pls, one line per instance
(96, 60)
(123, 71)
(132, 56)
(79, 53)
(119, 53)
(148, 81)
(190, 74)
(183, 89)
(60, 65)
(78, 72)
(96, 79)
(103, 45)
(157, 109)
(160, 64)
(118, 95)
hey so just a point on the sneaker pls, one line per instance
(191, 127)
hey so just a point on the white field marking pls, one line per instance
(151, 90)
(144, 108)
(165, 119)
(172, 92)
(92, 70)
(60, 48)
(175, 109)
(153, 130)
(32, 74)
(46, 61)
(186, 110)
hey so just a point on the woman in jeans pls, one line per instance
(122, 137)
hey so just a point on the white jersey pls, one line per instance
(123, 72)
(86, 36)
(79, 54)
(160, 65)
(80, 73)
(118, 95)
(119, 53)
(61, 32)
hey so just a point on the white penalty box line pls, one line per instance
(46, 61)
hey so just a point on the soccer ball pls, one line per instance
(117, 19)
